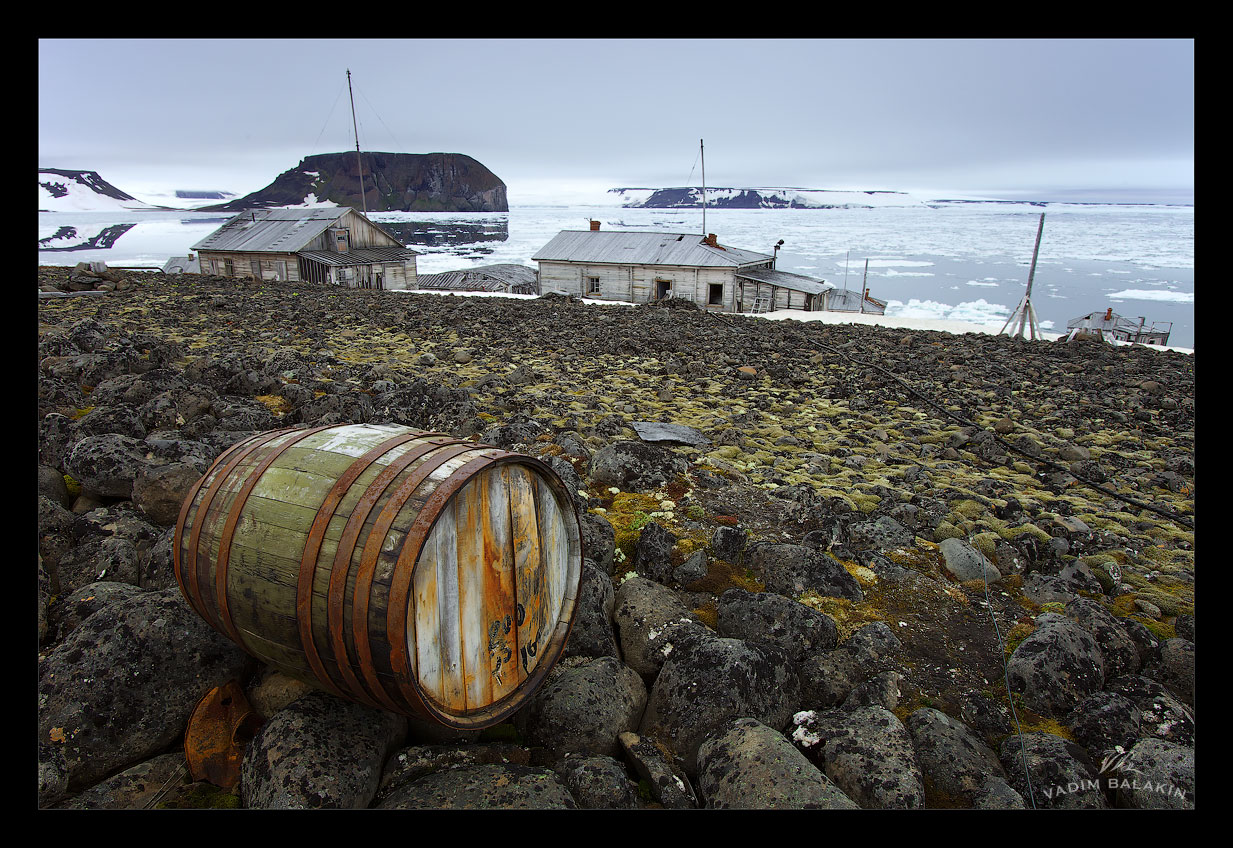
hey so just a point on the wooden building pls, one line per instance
(639, 267)
(507, 278)
(335, 245)
(1109, 326)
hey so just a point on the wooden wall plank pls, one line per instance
(500, 587)
(469, 513)
(425, 649)
(449, 636)
(528, 568)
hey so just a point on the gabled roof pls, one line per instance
(276, 230)
(625, 248)
(271, 230)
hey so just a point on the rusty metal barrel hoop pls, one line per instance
(312, 547)
(432, 454)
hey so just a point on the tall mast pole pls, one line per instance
(1026, 313)
(358, 160)
(864, 285)
(1027, 298)
(702, 153)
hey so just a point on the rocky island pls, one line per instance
(848, 566)
(406, 182)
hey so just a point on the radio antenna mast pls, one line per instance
(358, 160)
(702, 153)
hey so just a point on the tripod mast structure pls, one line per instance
(1024, 313)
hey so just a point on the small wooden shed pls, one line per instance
(327, 245)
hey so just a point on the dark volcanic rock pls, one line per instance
(714, 679)
(320, 752)
(120, 687)
(407, 182)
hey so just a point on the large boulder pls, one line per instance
(956, 765)
(1155, 775)
(1117, 649)
(120, 688)
(584, 707)
(651, 623)
(320, 752)
(106, 465)
(1057, 666)
(592, 633)
(746, 765)
(1050, 772)
(792, 570)
(713, 679)
(775, 620)
(634, 466)
(867, 752)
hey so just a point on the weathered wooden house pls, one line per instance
(639, 267)
(326, 245)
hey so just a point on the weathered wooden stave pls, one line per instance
(299, 609)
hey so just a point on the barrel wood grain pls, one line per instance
(500, 587)
(528, 567)
(406, 570)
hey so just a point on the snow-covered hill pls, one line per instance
(760, 198)
(62, 190)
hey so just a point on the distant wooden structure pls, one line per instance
(507, 278)
(182, 265)
(336, 245)
(1025, 313)
(639, 267)
(1109, 326)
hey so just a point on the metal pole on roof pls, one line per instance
(702, 153)
(358, 160)
(864, 285)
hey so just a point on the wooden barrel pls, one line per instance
(407, 570)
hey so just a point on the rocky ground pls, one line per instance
(885, 569)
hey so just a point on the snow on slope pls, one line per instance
(82, 191)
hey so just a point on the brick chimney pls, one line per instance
(594, 226)
(710, 239)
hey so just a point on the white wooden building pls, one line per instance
(639, 267)
(335, 245)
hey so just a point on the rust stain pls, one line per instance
(219, 730)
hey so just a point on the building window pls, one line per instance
(592, 285)
(715, 295)
(228, 268)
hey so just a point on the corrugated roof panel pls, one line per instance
(625, 248)
(273, 230)
(784, 279)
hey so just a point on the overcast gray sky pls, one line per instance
(937, 116)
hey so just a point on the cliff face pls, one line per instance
(419, 182)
